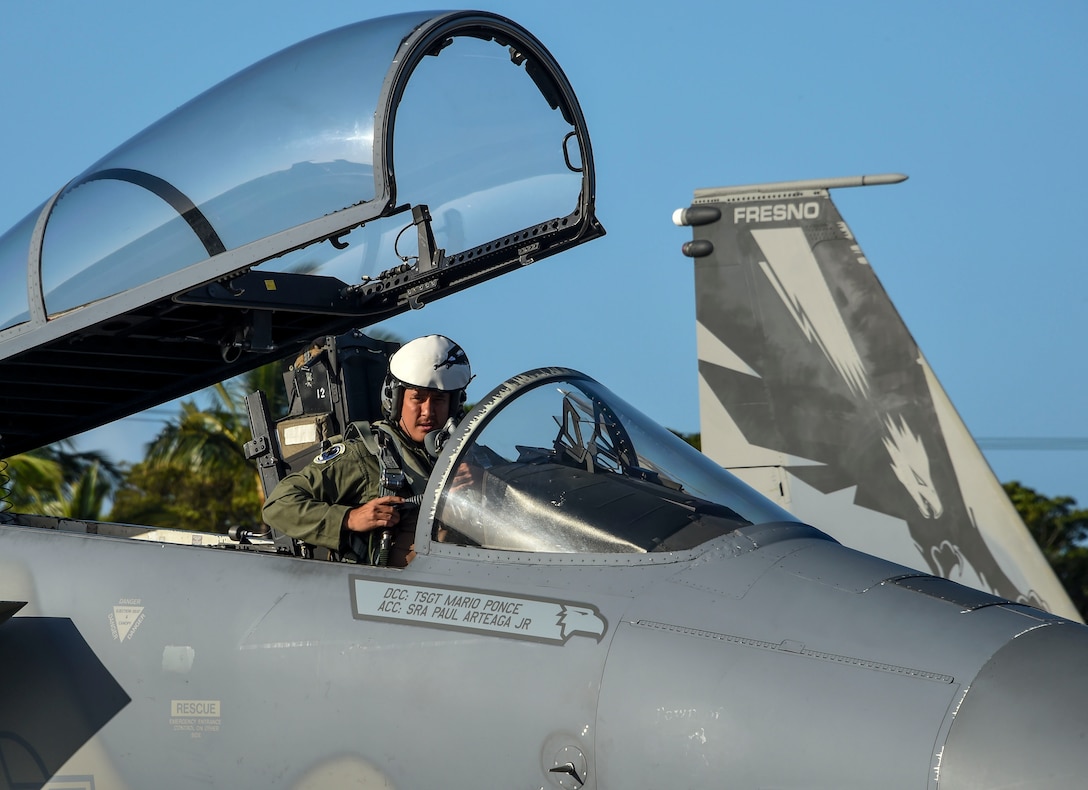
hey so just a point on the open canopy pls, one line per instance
(344, 180)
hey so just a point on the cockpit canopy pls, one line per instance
(552, 461)
(362, 172)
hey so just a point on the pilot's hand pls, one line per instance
(379, 513)
(466, 477)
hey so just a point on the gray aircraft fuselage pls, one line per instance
(751, 661)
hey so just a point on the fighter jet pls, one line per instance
(603, 607)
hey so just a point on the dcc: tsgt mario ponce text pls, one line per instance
(480, 611)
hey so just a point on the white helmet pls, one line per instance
(432, 362)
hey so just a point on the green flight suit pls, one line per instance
(312, 503)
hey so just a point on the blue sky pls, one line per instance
(983, 105)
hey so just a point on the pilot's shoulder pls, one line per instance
(341, 449)
(329, 453)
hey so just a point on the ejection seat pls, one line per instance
(334, 382)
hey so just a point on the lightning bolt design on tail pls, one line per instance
(804, 291)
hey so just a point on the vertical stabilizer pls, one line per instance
(812, 389)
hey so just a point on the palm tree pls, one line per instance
(86, 496)
(58, 481)
(206, 441)
(195, 474)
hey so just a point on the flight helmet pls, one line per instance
(431, 362)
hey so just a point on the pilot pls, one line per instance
(353, 498)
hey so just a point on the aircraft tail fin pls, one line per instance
(812, 389)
